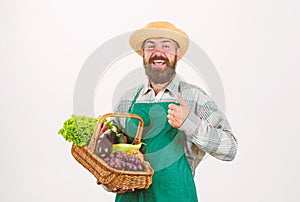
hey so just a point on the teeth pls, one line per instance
(161, 61)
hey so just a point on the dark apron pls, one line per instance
(164, 149)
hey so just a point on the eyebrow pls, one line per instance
(149, 42)
(164, 41)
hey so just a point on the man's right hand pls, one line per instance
(122, 190)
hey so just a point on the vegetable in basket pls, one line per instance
(109, 142)
(126, 147)
(80, 129)
(105, 142)
(124, 161)
(111, 145)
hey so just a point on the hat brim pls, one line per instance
(138, 37)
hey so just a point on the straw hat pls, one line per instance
(159, 29)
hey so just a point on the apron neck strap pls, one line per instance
(135, 97)
(140, 89)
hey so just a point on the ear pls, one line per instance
(178, 54)
(142, 52)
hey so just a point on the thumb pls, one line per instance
(180, 100)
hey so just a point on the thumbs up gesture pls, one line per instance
(178, 114)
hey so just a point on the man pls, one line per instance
(182, 123)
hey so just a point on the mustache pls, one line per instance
(155, 57)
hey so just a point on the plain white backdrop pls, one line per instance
(253, 44)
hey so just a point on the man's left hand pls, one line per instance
(178, 114)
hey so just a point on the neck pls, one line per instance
(159, 86)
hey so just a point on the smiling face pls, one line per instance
(160, 56)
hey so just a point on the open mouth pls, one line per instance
(159, 63)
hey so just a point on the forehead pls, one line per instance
(159, 40)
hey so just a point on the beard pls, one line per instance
(158, 75)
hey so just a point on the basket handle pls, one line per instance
(92, 144)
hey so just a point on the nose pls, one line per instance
(159, 48)
(158, 52)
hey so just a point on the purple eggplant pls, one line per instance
(103, 147)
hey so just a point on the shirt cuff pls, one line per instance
(191, 123)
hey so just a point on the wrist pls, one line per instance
(190, 124)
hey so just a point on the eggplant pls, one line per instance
(111, 135)
(103, 146)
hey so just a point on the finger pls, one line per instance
(121, 190)
(173, 123)
(170, 117)
(174, 109)
(172, 106)
(124, 188)
(180, 100)
(170, 122)
(172, 112)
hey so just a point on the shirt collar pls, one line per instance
(172, 87)
(147, 88)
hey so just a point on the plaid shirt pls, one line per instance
(206, 128)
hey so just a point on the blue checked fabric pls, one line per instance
(206, 127)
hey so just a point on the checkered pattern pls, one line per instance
(206, 128)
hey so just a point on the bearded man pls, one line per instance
(182, 122)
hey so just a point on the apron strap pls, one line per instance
(139, 91)
(135, 98)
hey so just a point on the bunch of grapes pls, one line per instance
(121, 161)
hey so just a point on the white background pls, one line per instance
(253, 44)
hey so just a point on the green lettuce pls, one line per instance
(79, 129)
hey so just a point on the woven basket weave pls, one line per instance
(110, 177)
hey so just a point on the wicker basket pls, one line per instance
(110, 177)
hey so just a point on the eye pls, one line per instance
(150, 46)
(166, 46)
